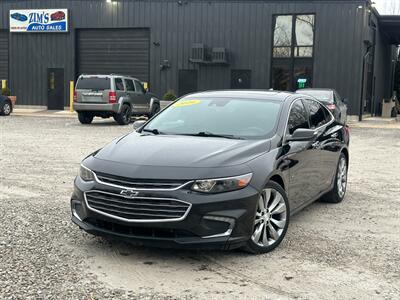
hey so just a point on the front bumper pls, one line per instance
(106, 107)
(220, 221)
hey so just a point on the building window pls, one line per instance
(293, 50)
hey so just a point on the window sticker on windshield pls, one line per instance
(186, 103)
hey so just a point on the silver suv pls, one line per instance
(115, 96)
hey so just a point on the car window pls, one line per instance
(93, 83)
(139, 87)
(119, 86)
(237, 117)
(318, 116)
(325, 96)
(298, 117)
(337, 97)
(129, 85)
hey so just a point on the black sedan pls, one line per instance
(222, 169)
(331, 99)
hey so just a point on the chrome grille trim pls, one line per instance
(160, 211)
(139, 189)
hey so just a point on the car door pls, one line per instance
(320, 118)
(141, 98)
(130, 91)
(301, 158)
(119, 88)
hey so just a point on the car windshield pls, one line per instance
(323, 96)
(93, 83)
(218, 117)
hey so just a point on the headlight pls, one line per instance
(86, 174)
(222, 184)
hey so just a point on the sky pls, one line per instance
(387, 6)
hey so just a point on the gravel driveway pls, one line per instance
(345, 251)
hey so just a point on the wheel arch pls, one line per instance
(279, 180)
(345, 151)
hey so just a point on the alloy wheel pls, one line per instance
(270, 220)
(6, 109)
(342, 177)
(127, 115)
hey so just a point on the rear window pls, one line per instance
(323, 96)
(93, 83)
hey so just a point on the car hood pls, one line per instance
(181, 151)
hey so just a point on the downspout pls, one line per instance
(360, 112)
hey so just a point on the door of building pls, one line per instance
(187, 82)
(55, 89)
(240, 79)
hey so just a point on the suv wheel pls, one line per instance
(338, 192)
(270, 221)
(124, 117)
(6, 109)
(155, 110)
(85, 117)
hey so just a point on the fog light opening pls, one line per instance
(228, 232)
(75, 207)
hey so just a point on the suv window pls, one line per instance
(129, 85)
(119, 86)
(139, 87)
(93, 83)
(318, 114)
(298, 117)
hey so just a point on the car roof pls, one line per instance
(316, 89)
(107, 75)
(250, 94)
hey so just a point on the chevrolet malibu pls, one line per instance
(219, 169)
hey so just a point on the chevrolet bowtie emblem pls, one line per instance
(129, 193)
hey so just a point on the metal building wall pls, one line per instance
(243, 27)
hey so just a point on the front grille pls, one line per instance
(140, 183)
(136, 231)
(139, 209)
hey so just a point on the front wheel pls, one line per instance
(271, 219)
(6, 109)
(338, 192)
(124, 117)
(155, 109)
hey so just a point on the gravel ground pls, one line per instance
(345, 251)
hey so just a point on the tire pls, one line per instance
(155, 110)
(124, 117)
(6, 109)
(337, 194)
(85, 117)
(269, 231)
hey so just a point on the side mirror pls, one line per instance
(301, 134)
(138, 124)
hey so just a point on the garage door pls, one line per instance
(119, 51)
(3, 55)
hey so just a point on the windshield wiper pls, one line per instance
(154, 131)
(210, 134)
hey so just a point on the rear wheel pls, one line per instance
(338, 192)
(85, 117)
(271, 220)
(124, 117)
(6, 109)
